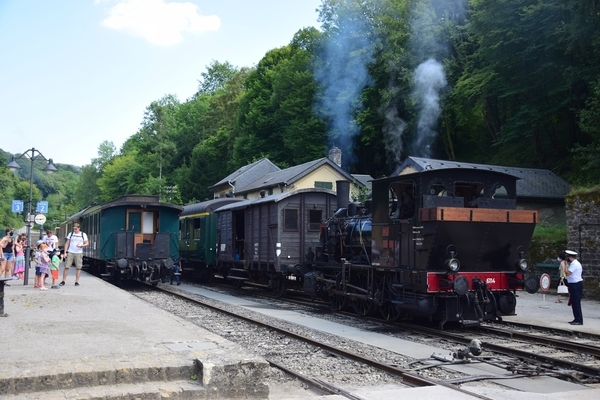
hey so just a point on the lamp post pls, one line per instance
(32, 154)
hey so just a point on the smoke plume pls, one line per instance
(428, 80)
(342, 74)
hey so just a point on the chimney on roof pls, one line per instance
(335, 155)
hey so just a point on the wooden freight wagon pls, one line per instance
(270, 238)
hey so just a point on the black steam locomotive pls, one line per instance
(445, 245)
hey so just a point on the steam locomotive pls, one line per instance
(445, 245)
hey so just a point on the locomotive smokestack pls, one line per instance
(342, 189)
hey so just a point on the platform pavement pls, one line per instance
(55, 348)
(540, 309)
(96, 341)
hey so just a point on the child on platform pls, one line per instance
(54, 268)
(44, 265)
(37, 260)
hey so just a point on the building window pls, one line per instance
(270, 191)
(315, 218)
(290, 219)
(324, 185)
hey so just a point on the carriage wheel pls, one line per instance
(362, 306)
(281, 288)
(387, 310)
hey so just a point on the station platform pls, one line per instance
(542, 309)
(96, 341)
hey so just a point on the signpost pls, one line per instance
(42, 207)
(545, 282)
(17, 206)
(40, 219)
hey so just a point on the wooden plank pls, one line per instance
(478, 215)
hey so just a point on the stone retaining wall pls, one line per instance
(583, 235)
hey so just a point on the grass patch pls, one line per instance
(550, 233)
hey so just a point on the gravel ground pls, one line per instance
(294, 354)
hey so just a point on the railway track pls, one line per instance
(413, 373)
(565, 354)
(407, 377)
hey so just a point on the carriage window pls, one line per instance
(315, 218)
(290, 219)
(197, 229)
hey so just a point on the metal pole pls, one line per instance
(28, 243)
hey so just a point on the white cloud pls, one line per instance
(159, 22)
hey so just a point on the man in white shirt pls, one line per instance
(575, 280)
(51, 241)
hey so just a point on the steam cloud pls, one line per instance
(342, 74)
(429, 79)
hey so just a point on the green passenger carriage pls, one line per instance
(131, 238)
(198, 236)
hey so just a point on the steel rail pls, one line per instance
(511, 352)
(408, 378)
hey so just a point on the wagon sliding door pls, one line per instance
(143, 225)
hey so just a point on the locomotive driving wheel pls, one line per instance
(383, 296)
(338, 302)
(361, 305)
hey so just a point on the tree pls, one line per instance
(106, 152)
(116, 178)
(216, 76)
(276, 118)
(87, 191)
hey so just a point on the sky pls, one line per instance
(75, 73)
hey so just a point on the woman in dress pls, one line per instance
(20, 256)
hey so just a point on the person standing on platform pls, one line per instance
(20, 256)
(51, 241)
(44, 265)
(562, 273)
(54, 268)
(76, 241)
(574, 277)
(8, 254)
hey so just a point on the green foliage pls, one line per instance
(550, 233)
(52, 188)
(523, 90)
(116, 176)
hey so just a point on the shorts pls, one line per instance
(54, 273)
(9, 257)
(74, 258)
(37, 271)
